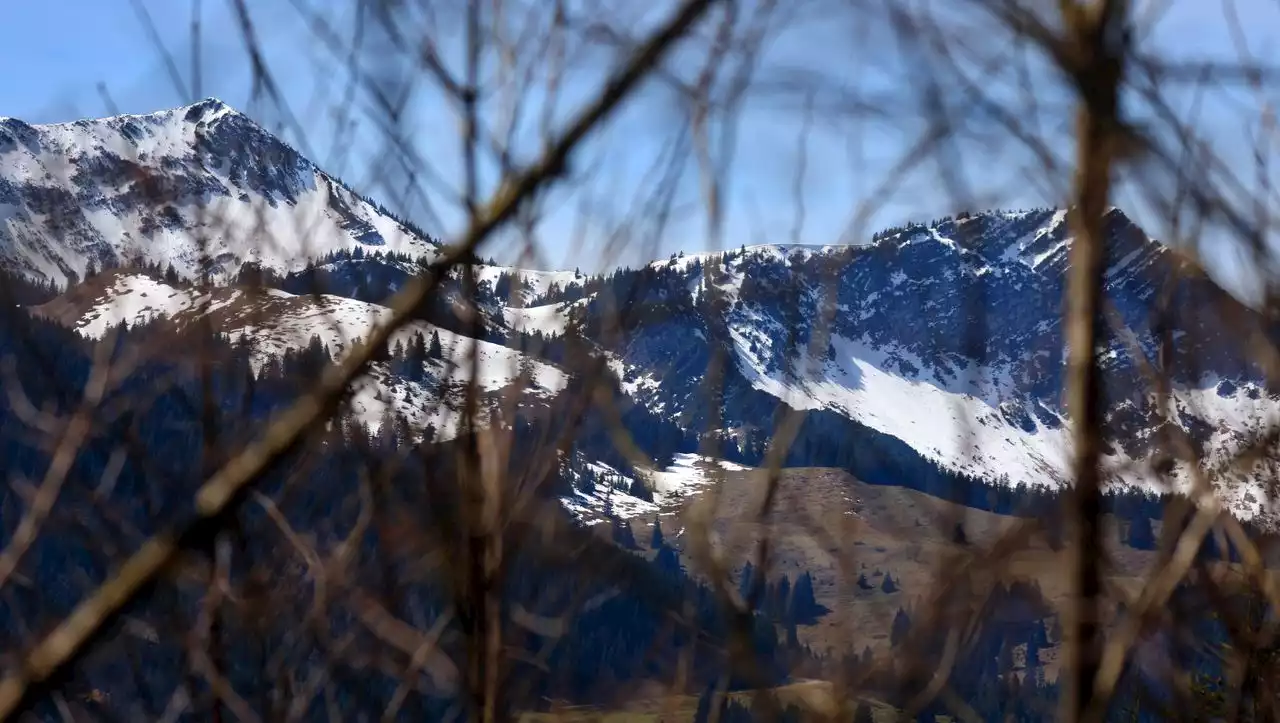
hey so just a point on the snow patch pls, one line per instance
(291, 321)
(687, 474)
(549, 319)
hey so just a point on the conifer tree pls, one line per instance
(638, 489)
(668, 561)
(804, 605)
(1141, 535)
(901, 627)
(622, 534)
(415, 354)
(656, 540)
(781, 598)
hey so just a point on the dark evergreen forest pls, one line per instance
(155, 438)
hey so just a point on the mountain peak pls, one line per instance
(207, 110)
(209, 101)
(211, 172)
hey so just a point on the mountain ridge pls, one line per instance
(945, 336)
(906, 308)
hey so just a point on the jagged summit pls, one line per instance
(206, 109)
(155, 187)
(1038, 239)
(209, 104)
(977, 243)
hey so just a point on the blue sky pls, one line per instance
(67, 48)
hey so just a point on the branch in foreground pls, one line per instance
(64, 644)
(1096, 61)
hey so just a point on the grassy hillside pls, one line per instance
(838, 528)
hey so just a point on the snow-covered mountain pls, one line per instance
(173, 188)
(948, 337)
(935, 344)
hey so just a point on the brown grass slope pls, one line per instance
(836, 527)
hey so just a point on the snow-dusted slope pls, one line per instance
(534, 283)
(979, 426)
(687, 475)
(174, 187)
(947, 336)
(273, 321)
(550, 320)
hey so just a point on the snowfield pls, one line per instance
(550, 320)
(958, 423)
